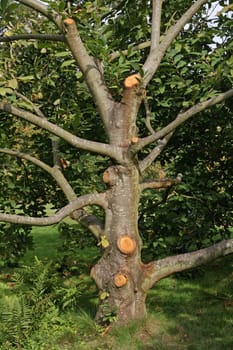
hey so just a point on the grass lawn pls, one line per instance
(192, 311)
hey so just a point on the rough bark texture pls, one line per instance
(126, 296)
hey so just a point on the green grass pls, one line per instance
(192, 311)
(46, 243)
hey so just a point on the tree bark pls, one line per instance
(117, 274)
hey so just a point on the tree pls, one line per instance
(122, 93)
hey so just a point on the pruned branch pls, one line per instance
(91, 71)
(161, 183)
(155, 56)
(45, 10)
(149, 159)
(157, 270)
(89, 199)
(47, 37)
(96, 147)
(182, 117)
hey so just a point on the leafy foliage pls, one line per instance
(40, 294)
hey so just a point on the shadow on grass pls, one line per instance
(197, 312)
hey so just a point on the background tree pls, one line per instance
(114, 82)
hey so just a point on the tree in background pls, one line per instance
(105, 85)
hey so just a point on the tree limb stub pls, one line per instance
(69, 21)
(161, 183)
(132, 81)
(157, 270)
(120, 280)
(126, 244)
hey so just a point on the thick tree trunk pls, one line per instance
(118, 272)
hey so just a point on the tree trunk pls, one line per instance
(118, 272)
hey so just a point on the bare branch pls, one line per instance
(182, 117)
(28, 157)
(117, 54)
(155, 56)
(155, 28)
(34, 106)
(92, 72)
(50, 37)
(157, 270)
(94, 224)
(148, 115)
(45, 10)
(149, 159)
(89, 199)
(53, 171)
(90, 221)
(161, 183)
(96, 147)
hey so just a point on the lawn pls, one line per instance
(192, 311)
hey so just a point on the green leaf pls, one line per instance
(62, 54)
(104, 295)
(57, 102)
(3, 4)
(104, 242)
(5, 91)
(13, 83)
(68, 63)
(26, 78)
(177, 58)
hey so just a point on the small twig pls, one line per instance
(52, 37)
(161, 183)
(149, 159)
(36, 109)
(148, 116)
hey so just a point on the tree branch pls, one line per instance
(155, 29)
(157, 270)
(117, 54)
(155, 56)
(148, 115)
(182, 117)
(53, 171)
(89, 199)
(149, 159)
(52, 37)
(91, 71)
(89, 221)
(96, 147)
(34, 106)
(44, 10)
(161, 183)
